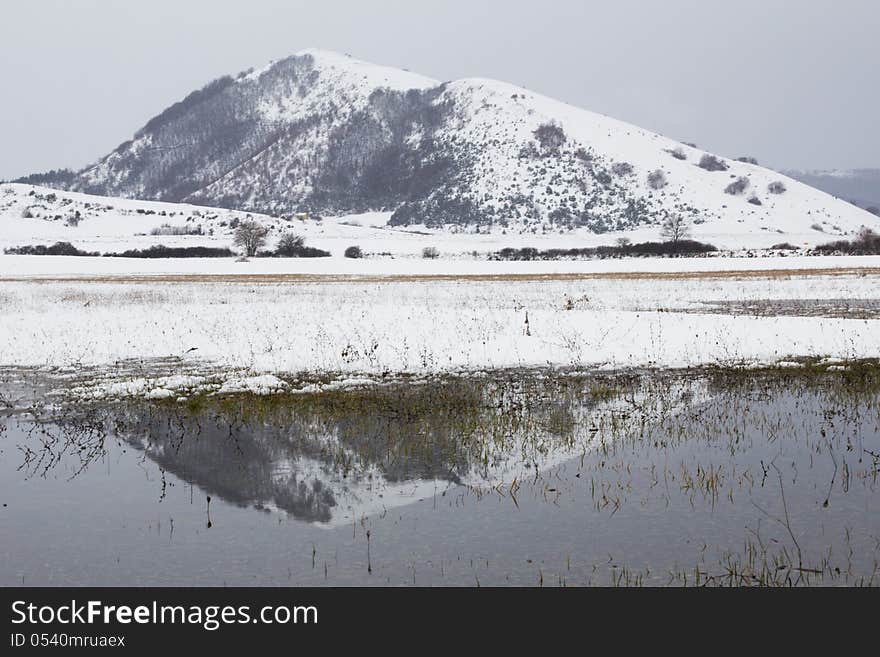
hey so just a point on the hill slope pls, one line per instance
(325, 133)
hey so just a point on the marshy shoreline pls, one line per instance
(701, 476)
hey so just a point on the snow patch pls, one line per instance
(265, 384)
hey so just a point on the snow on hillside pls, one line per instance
(351, 80)
(328, 134)
(31, 215)
(39, 215)
(500, 118)
(345, 86)
(103, 224)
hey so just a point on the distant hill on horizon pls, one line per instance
(859, 186)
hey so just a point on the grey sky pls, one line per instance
(794, 83)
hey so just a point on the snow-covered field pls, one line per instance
(263, 333)
(274, 324)
(16, 267)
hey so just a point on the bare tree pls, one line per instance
(675, 228)
(250, 236)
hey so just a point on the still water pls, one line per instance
(522, 479)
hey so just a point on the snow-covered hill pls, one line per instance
(39, 215)
(325, 133)
(31, 215)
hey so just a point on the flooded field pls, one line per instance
(833, 308)
(702, 477)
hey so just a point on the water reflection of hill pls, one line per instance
(315, 456)
(339, 454)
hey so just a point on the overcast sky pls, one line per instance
(793, 83)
